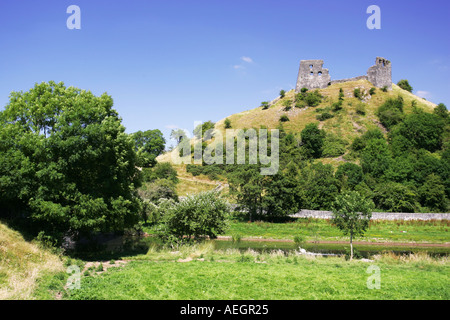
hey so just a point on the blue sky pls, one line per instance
(169, 63)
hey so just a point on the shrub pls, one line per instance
(313, 99)
(404, 84)
(333, 146)
(336, 106)
(287, 104)
(227, 123)
(395, 197)
(284, 118)
(163, 170)
(372, 91)
(390, 112)
(357, 93)
(384, 89)
(265, 105)
(341, 94)
(196, 217)
(324, 116)
(160, 188)
(282, 93)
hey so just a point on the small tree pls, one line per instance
(282, 94)
(351, 214)
(265, 105)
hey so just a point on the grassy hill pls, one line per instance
(23, 265)
(356, 116)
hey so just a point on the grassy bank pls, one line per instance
(433, 231)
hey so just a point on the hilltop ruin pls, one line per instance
(312, 75)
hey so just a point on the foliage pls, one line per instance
(284, 118)
(324, 116)
(390, 112)
(287, 105)
(265, 105)
(432, 193)
(395, 197)
(66, 162)
(159, 189)
(421, 130)
(148, 145)
(317, 187)
(441, 110)
(351, 214)
(313, 140)
(349, 175)
(282, 94)
(376, 157)
(333, 146)
(163, 170)
(196, 217)
(227, 123)
(203, 128)
(404, 84)
(372, 91)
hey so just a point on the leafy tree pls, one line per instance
(66, 162)
(352, 214)
(349, 175)
(404, 84)
(376, 157)
(178, 135)
(395, 197)
(201, 129)
(282, 94)
(148, 145)
(423, 130)
(313, 139)
(317, 186)
(432, 193)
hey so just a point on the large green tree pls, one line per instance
(148, 145)
(66, 163)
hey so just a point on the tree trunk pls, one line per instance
(351, 246)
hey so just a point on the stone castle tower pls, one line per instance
(312, 75)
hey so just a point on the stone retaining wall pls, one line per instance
(377, 215)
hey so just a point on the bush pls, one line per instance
(158, 189)
(265, 105)
(337, 106)
(313, 140)
(357, 93)
(313, 99)
(395, 197)
(404, 84)
(333, 146)
(196, 217)
(372, 91)
(163, 170)
(390, 112)
(282, 94)
(284, 118)
(227, 123)
(324, 116)
(287, 104)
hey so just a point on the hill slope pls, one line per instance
(22, 264)
(346, 124)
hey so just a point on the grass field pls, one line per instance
(433, 231)
(202, 274)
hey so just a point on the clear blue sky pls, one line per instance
(169, 63)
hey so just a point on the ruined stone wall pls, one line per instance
(350, 79)
(312, 75)
(380, 75)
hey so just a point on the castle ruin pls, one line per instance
(312, 75)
